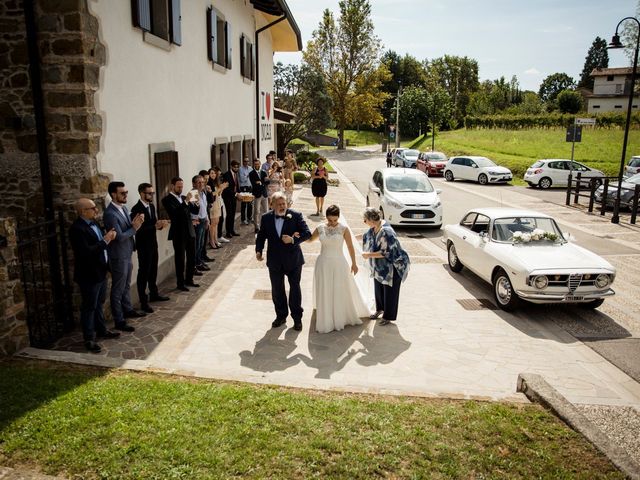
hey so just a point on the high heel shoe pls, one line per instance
(214, 246)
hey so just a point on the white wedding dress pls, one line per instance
(336, 296)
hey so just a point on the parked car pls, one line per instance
(555, 171)
(632, 167)
(525, 256)
(626, 195)
(394, 153)
(406, 158)
(405, 197)
(431, 163)
(477, 169)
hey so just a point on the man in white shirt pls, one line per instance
(246, 208)
(201, 223)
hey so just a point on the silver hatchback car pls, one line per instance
(555, 172)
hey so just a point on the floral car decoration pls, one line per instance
(524, 255)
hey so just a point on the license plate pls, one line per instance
(418, 215)
(573, 298)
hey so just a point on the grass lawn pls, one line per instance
(519, 149)
(93, 423)
(358, 138)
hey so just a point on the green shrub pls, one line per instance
(549, 120)
(300, 177)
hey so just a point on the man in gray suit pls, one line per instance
(116, 216)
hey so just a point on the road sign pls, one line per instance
(586, 121)
(392, 135)
(570, 134)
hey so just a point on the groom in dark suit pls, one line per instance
(285, 230)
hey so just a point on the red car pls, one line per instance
(432, 163)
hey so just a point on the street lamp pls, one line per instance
(615, 43)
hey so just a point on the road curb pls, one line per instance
(536, 388)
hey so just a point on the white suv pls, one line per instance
(477, 169)
(632, 167)
(555, 171)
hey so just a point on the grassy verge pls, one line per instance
(519, 149)
(77, 421)
(358, 138)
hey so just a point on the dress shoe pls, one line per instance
(376, 314)
(277, 322)
(93, 347)
(208, 259)
(125, 328)
(197, 273)
(134, 314)
(235, 234)
(385, 321)
(109, 334)
(158, 298)
(228, 236)
(146, 308)
(182, 288)
(202, 268)
(191, 284)
(256, 230)
(297, 326)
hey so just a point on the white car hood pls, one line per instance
(414, 198)
(555, 257)
(497, 169)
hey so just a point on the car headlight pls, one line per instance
(602, 280)
(540, 282)
(394, 204)
(490, 172)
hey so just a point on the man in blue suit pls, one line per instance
(284, 230)
(116, 217)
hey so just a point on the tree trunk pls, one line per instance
(341, 138)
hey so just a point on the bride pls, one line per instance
(337, 297)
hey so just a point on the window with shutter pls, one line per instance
(219, 48)
(227, 41)
(247, 58)
(243, 55)
(212, 35)
(160, 18)
(166, 167)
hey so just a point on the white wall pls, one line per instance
(149, 95)
(609, 105)
(602, 86)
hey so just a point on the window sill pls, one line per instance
(246, 80)
(156, 41)
(219, 68)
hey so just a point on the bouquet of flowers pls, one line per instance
(537, 235)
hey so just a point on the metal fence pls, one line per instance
(44, 265)
(596, 190)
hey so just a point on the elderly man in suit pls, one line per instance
(284, 230)
(182, 232)
(147, 247)
(89, 244)
(116, 217)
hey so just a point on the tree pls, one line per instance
(553, 85)
(597, 57)
(415, 109)
(495, 96)
(530, 105)
(569, 101)
(629, 35)
(302, 91)
(346, 54)
(406, 71)
(458, 76)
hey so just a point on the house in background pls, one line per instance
(611, 89)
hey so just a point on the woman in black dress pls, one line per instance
(319, 184)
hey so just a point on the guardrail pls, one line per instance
(587, 187)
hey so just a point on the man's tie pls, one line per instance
(280, 216)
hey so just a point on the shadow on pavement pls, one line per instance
(270, 353)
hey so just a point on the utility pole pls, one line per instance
(433, 125)
(398, 116)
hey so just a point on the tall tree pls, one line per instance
(569, 101)
(300, 90)
(597, 57)
(629, 35)
(553, 85)
(406, 71)
(346, 54)
(459, 78)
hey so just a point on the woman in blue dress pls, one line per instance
(389, 264)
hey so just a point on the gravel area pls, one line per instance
(620, 424)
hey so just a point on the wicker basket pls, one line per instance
(246, 198)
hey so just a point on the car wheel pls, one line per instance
(506, 297)
(482, 179)
(544, 183)
(593, 303)
(448, 176)
(454, 262)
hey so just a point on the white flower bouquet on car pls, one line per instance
(534, 236)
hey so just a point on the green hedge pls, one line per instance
(549, 120)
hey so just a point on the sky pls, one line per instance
(530, 39)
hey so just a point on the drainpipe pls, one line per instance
(38, 107)
(266, 27)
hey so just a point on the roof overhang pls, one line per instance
(285, 35)
(283, 117)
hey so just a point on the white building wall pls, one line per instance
(602, 86)
(149, 95)
(615, 104)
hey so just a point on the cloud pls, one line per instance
(532, 71)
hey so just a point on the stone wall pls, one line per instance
(14, 335)
(71, 56)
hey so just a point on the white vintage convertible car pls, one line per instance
(525, 255)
